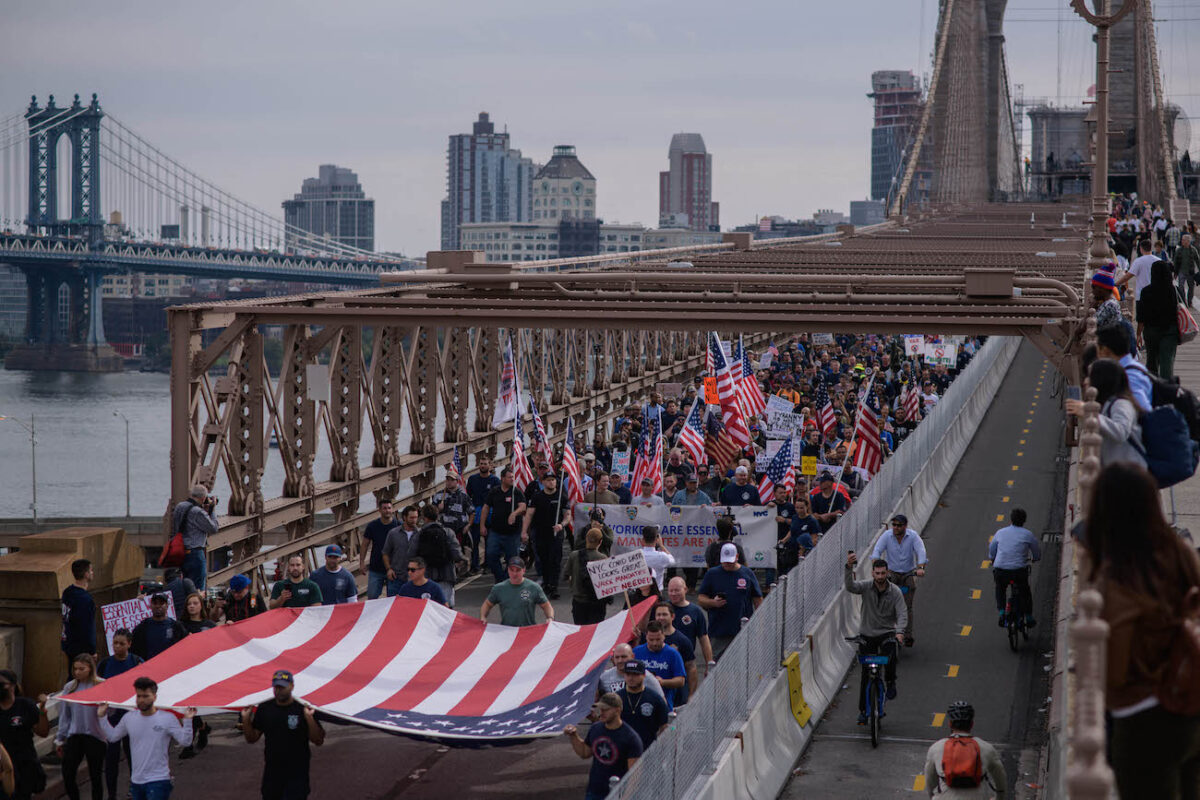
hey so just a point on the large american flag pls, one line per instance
(869, 452)
(731, 407)
(911, 401)
(508, 398)
(571, 466)
(779, 473)
(397, 664)
(691, 437)
(826, 419)
(649, 458)
(748, 390)
(719, 448)
(522, 474)
(541, 444)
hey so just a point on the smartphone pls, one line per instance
(1073, 393)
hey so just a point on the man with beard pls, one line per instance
(290, 726)
(150, 732)
(295, 590)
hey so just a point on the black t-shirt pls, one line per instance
(545, 509)
(286, 734)
(828, 505)
(610, 753)
(788, 512)
(79, 621)
(645, 712)
(500, 506)
(376, 533)
(16, 730)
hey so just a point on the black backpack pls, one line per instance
(585, 576)
(1166, 393)
(434, 547)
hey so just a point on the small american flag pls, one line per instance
(691, 438)
(779, 473)
(826, 419)
(508, 398)
(912, 402)
(541, 444)
(522, 475)
(869, 453)
(456, 463)
(571, 466)
(749, 392)
(719, 448)
(731, 407)
(649, 458)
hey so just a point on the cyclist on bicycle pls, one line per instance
(1012, 550)
(905, 552)
(962, 765)
(881, 624)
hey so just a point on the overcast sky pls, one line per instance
(254, 95)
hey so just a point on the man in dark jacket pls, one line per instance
(439, 547)
(78, 613)
(1157, 322)
(196, 518)
(158, 631)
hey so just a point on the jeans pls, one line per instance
(885, 645)
(508, 545)
(112, 756)
(1187, 287)
(448, 590)
(1156, 754)
(1021, 576)
(154, 790)
(906, 580)
(376, 582)
(195, 566)
(1160, 351)
(393, 587)
(78, 747)
(472, 540)
(549, 548)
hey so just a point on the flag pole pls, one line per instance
(853, 431)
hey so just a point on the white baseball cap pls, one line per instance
(729, 554)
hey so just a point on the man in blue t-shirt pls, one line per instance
(158, 631)
(611, 743)
(337, 584)
(740, 492)
(664, 614)
(665, 663)
(805, 530)
(478, 486)
(690, 619)
(374, 536)
(728, 592)
(418, 586)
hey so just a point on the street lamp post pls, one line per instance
(126, 419)
(31, 429)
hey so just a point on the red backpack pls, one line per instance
(962, 767)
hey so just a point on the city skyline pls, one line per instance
(783, 113)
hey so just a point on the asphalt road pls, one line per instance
(960, 652)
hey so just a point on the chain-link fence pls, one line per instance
(688, 748)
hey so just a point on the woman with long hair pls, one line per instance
(20, 720)
(196, 620)
(1144, 570)
(1120, 432)
(78, 736)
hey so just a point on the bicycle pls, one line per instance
(1014, 615)
(875, 693)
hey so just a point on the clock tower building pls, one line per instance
(564, 189)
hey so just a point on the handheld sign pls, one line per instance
(808, 465)
(914, 345)
(711, 396)
(620, 463)
(127, 614)
(619, 573)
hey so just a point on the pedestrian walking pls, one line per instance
(150, 732)
(728, 592)
(371, 562)
(78, 736)
(335, 582)
(500, 525)
(611, 743)
(518, 598)
(295, 590)
(156, 632)
(586, 607)
(289, 726)
(20, 719)
(122, 660)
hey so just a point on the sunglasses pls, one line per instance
(415, 569)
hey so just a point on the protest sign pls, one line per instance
(127, 614)
(619, 573)
(941, 354)
(822, 338)
(670, 391)
(620, 463)
(763, 460)
(784, 424)
(711, 396)
(687, 530)
(914, 345)
(808, 465)
(765, 361)
(777, 403)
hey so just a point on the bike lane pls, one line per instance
(961, 653)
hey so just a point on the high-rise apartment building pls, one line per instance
(685, 190)
(332, 205)
(564, 189)
(486, 181)
(898, 106)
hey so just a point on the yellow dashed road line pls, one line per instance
(976, 594)
(999, 518)
(985, 565)
(938, 721)
(952, 670)
(966, 631)
(919, 783)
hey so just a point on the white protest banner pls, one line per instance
(941, 354)
(914, 345)
(619, 573)
(777, 403)
(688, 530)
(127, 614)
(782, 425)
(822, 338)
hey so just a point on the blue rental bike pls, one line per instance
(875, 694)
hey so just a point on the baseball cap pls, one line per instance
(690, 477)
(741, 471)
(238, 582)
(160, 596)
(900, 518)
(590, 457)
(634, 667)
(825, 476)
(647, 482)
(610, 700)
(728, 554)
(516, 561)
(333, 550)
(282, 678)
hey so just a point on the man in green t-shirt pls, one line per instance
(296, 591)
(517, 598)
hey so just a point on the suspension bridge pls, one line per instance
(82, 195)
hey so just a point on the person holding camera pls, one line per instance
(196, 518)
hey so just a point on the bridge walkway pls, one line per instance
(960, 653)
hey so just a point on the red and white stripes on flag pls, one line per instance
(780, 472)
(508, 397)
(869, 452)
(731, 407)
(522, 474)
(691, 437)
(754, 402)
(911, 402)
(541, 444)
(571, 466)
(397, 664)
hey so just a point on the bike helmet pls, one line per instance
(961, 711)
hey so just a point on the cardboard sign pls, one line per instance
(765, 361)
(808, 465)
(822, 338)
(127, 614)
(777, 403)
(619, 573)
(711, 397)
(620, 463)
(783, 425)
(914, 345)
(763, 460)
(688, 530)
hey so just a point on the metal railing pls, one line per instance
(689, 748)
